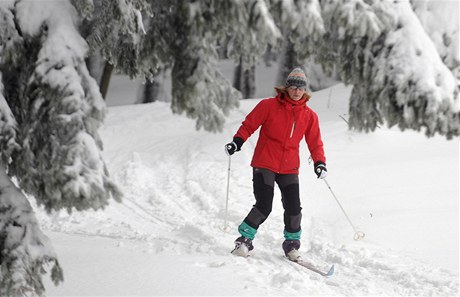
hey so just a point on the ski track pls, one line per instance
(176, 204)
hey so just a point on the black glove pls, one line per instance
(235, 146)
(320, 169)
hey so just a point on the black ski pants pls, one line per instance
(264, 183)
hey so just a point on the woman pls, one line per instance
(284, 120)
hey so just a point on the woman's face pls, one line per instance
(295, 93)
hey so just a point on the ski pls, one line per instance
(242, 251)
(313, 268)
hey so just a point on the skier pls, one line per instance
(284, 120)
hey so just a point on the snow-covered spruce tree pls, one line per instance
(253, 32)
(51, 110)
(60, 160)
(441, 21)
(307, 23)
(302, 27)
(155, 55)
(182, 35)
(352, 28)
(25, 251)
(282, 12)
(115, 28)
(380, 47)
(198, 87)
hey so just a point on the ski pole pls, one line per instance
(226, 228)
(358, 234)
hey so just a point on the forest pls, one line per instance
(57, 57)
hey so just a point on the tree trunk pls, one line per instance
(155, 90)
(105, 79)
(269, 56)
(150, 92)
(95, 64)
(244, 80)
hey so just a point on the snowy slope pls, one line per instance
(166, 238)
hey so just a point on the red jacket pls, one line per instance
(284, 123)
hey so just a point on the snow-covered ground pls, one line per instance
(166, 238)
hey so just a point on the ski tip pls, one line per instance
(330, 272)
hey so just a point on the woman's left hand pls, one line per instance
(320, 170)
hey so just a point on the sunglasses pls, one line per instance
(293, 88)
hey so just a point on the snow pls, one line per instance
(166, 237)
(422, 47)
(268, 21)
(441, 20)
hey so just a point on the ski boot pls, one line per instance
(243, 246)
(291, 250)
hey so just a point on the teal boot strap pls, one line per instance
(292, 236)
(247, 231)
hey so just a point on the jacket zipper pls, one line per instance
(292, 130)
(290, 136)
(293, 124)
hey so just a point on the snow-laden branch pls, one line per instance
(8, 128)
(397, 74)
(61, 163)
(25, 252)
